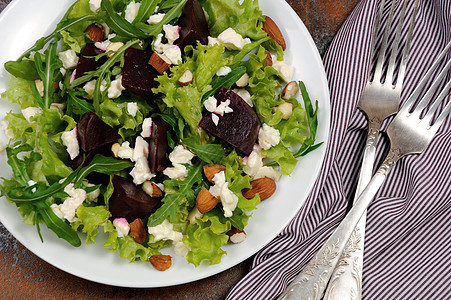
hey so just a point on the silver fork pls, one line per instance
(410, 132)
(379, 100)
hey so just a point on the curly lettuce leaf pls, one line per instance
(89, 219)
(19, 91)
(246, 18)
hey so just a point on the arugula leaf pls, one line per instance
(177, 193)
(74, 101)
(20, 168)
(25, 69)
(46, 72)
(210, 153)
(226, 81)
(119, 25)
(312, 119)
(146, 9)
(58, 226)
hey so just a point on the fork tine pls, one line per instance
(430, 92)
(383, 49)
(445, 112)
(406, 52)
(416, 93)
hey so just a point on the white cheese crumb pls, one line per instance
(141, 149)
(69, 59)
(245, 95)
(243, 81)
(223, 71)
(89, 88)
(70, 140)
(223, 108)
(253, 166)
(215, 119)
(141, 171)
(178, 157)
(92, 196)
(39, 86)
(8, 131)
(132, 108)
(268, 137)
(70, 204)
(155, 19)
(173, 53)
(171, 32)
(122, 227)
(113, 47)
(147, 128)
(285, 71)
(165, 231)
(213, 41)
(94, 5)
(30, 112)
(210, 104)
(221, 190)
(232, 40)
(125, 151)
(132, 11)
(286, 109)
(116, 88)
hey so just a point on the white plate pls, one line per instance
(24, 21)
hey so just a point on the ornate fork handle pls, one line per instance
(312, 281)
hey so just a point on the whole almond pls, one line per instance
(205, 201)
(274, 32)
(138, 231)
(268, 62)
(211, 170)
(95, 32)
(161, 262)
(290, 90)
(265, 187)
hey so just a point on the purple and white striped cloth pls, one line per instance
(408, 233)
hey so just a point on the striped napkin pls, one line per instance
(408, 233)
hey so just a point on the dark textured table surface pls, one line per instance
(25, 276)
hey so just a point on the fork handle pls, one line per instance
(313, 279)
(346, 280)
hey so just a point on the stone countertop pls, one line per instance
(25, 276)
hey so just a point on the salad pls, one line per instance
(162, 123)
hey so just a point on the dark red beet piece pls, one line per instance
(93, 133)
(158, 145)
(86, 64)
(193, 25)
(238, 128)
(138, 76)
(129, 201)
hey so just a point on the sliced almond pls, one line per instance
(138, 231)
(95, 32)
(205, 201)
(265, 187)
(161, 262)
(152, 189)
(159, 63)
(268, 62)
(211, 170)
(243, 81)
(186, 78)
(290, 90)
(236, 236)
(286, 109)
(270, 27)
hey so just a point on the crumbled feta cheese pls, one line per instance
(102, 45)
(171, 32)
(58, 107)
(173, 53)
(94, 5)
(113, 47)
(122, 227)
(132, 11)
(215, 119)
(92, 196)
(89, 88)
(31, 183)
(180, 155)
(213, 41)
(70, 204)
(285, 71)
(232, 40)
(253, 166)
(69, 59)
(132, 108)
(223, 108)
(39, 86)
(141, 171)
(8, 131)
(155, 19)
(158, 46)
(30, 112)
(70, 140)
(194, 214)
(221, 190)
(125, 151)
(147, 128)
(268, 137)
(177, 171)
(243, 81)
(286, 109)
(141, 149)
(56, 210)
(210, 104)
(63, 71)
(116, 88)
(223, 71)
(165, 231)
(245, 95)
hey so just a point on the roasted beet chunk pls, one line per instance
(238, 128)
(93, 133)
(87, 61)
(158, 145)
(193, 25)
(129, 201)
(138, 76)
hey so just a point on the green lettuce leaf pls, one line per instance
(89, 219)
(19, 91)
